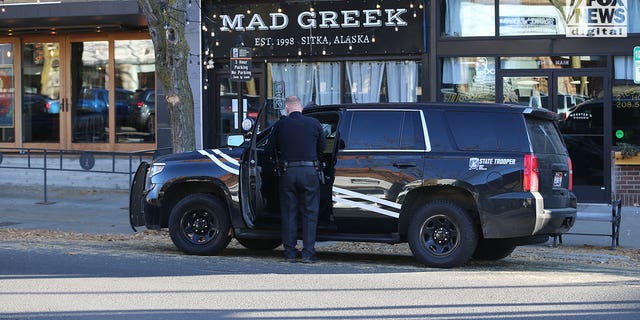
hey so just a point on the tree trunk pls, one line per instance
(167, 20)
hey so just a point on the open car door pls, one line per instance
(251, 200)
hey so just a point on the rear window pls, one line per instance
(545, 137)
(476, 131)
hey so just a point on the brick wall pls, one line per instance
(626, 184)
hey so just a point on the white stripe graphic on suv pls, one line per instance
(335, 189)
(366, 206)
(219, 163)
(226, 157)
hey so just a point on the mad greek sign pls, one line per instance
(596, 18)
(306, 28)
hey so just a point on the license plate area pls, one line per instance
(557, 179)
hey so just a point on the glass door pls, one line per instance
(236, 101)
(584, 118)
(88, 93)
(42, 81)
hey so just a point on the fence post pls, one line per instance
(44, 166)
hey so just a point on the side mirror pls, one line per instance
(235, 140)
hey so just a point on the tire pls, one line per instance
(442, 235)
(492, 250)
(199, 224)
(259, 244)
(151, 125)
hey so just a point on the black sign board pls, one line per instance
(240, 60)
(316, 28)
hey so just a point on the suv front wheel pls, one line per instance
(199, 224)
(442, 235)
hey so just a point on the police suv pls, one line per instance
(455, 181)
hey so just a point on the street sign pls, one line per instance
(240, 68)
(278, 95)
(636, 65)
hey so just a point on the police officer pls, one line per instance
(298, 139)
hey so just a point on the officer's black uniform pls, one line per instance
(298, 139)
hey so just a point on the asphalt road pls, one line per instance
(75, 279)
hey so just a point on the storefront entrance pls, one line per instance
(580, 98)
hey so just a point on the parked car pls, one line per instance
(455, 181)
(142, 108)
(96, 100)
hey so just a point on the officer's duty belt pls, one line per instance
(300, 163)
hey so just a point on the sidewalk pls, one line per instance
(99, 211)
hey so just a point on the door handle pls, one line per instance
(402, 165)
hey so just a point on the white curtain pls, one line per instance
(402, 81)
(327, 83)
(452, 23)
(297, 77)
(633, 16)
(454, 71)
(365, 79)
(623, 68)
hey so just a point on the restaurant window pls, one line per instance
(531, 17)
(135, 95)
(468, 79)
(626, 102)
(7, 94)
(468, 18)
(378, 81)
(472, 18)
(311, 82)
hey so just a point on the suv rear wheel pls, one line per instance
(199, 224)
(442, 234)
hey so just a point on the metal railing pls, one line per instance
(47, 160)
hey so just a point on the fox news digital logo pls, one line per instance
(596, 18)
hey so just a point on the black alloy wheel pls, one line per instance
(199, 224)
(442, 235)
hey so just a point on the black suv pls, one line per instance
(455, 181)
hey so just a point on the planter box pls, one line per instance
(626, 162)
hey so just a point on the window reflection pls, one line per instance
(531, 17)
(41, 92)
(468, 18)
(626, 102)
(7, 92)
(89, 93)
(135, 94)
(468, 79)
(527, 91)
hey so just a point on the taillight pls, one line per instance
(48, 106)
(530, 181)
(140, 104)
(570, 174)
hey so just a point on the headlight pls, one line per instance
(153, 170)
